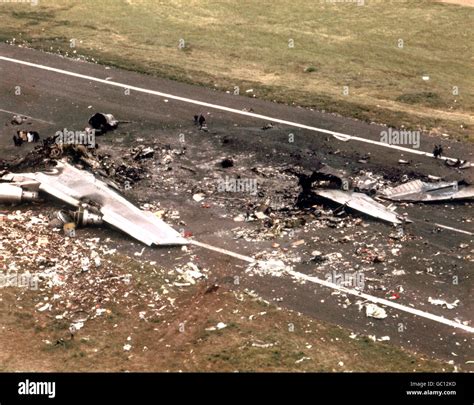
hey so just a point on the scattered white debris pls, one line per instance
(100, 311)
(302, 359)
(443, 303)
(398, 272)
(75, 326)
(375, 311)
(272, 267)
(198, 197)
(263, 345)
(45, 307)
(220, 325)
(139, 254)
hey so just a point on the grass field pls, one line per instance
(248, 44)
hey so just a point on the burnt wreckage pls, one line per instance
(97, 200)
(94, 200)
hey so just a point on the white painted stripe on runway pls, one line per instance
(449, 228)
(27, 116)
(337, 135)
(351, 291)
(223, 251)
(454, 229)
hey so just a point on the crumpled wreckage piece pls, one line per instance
(374, 311)
(443, 303)
(367, 182)
(83, 190)
(418, 190)
(360, 202)
(103, 122)
(336, 177)
(458, 164)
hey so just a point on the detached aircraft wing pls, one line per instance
(77, 187)
(360, 202)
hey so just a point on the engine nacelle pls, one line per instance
(10, 193)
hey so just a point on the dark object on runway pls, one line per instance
(103, 123)
(438, 151)
(458, 164)
(201, 120)
(227, 163)
(17, 141)
(18, 119)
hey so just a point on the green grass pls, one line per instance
(245, 44)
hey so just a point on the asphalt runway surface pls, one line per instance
(430, 258)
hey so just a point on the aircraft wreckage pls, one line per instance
(419, 191)
(94, 200)
(336, 184)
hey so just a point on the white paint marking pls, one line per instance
(223, 251)
(27, 116)
(337, 135)
(383, 301)
(351, 291)
(454, 229)
(444, 226)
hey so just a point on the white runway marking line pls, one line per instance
(337, 135)
(454, 229)
(27, 116)
(223, 251)
(449, 228)
(351, 291)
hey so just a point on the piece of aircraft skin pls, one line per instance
(360, 202)
(419, 191)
